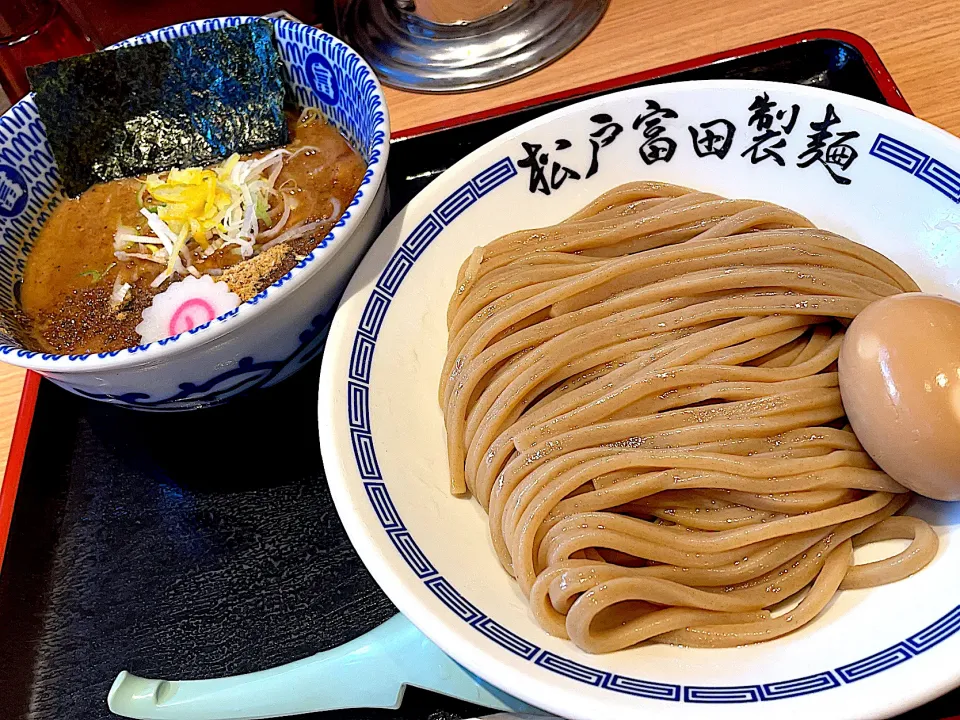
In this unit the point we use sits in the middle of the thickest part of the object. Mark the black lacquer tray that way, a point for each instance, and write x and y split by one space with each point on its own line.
145 542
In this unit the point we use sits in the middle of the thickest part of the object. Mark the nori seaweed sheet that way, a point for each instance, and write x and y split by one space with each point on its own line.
184 102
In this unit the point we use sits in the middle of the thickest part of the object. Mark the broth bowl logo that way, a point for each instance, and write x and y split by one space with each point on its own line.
322 79
13 192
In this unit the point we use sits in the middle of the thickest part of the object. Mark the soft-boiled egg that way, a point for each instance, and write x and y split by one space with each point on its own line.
900 384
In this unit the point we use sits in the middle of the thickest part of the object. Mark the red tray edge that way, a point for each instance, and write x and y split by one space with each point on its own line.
891 93
18 448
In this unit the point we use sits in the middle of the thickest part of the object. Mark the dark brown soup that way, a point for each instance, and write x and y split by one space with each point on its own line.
100 258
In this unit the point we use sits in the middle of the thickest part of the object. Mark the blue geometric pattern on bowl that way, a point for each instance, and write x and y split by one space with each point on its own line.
906 157
247 375
338 83
365 456
29 189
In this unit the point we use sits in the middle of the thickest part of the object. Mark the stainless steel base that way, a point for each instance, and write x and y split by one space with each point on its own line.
412 53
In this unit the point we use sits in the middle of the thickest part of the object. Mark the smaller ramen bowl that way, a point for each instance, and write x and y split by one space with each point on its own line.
267 338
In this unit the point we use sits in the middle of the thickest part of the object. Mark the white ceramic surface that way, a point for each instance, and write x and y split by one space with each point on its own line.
872 653
267 338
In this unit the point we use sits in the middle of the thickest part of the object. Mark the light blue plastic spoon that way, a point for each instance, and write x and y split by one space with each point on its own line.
371 671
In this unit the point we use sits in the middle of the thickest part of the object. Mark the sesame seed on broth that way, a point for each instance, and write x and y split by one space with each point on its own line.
69 292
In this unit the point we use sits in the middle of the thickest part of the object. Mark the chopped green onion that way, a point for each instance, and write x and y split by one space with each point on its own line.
95 275
260 208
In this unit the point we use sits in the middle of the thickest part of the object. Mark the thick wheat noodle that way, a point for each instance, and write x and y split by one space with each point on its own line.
491 414
587 514
516 278
920 551
812 247
763 572
600 391
767 247
644 398
569 370
650 384
746 402
719 436
702 423
596 388
564 587
815 242
571 236
590 335
552 363
761 247
610 489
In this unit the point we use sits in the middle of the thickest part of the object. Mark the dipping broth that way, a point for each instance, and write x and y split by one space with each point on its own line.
102 258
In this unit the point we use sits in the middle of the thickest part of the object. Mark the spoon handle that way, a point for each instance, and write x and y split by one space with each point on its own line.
371 671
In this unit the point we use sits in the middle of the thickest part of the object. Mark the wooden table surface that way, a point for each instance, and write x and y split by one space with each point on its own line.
918 40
